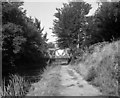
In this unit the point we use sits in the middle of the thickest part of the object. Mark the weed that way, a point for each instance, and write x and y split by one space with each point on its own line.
17 86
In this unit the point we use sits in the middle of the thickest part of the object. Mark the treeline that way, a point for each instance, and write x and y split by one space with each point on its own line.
23 43
75 29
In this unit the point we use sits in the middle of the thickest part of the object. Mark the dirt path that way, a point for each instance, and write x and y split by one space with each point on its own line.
63 81
75 85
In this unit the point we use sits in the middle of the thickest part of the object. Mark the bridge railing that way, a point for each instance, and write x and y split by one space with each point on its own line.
63 57
54 53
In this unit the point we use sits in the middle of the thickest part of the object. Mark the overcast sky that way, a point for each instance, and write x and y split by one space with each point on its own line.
44 11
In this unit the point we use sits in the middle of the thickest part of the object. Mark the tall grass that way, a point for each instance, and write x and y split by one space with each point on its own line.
100 66
48 83
17 86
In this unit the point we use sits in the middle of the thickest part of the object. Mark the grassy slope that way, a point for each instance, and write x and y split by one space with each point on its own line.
99 66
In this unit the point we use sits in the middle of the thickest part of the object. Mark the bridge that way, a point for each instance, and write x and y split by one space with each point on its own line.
59 55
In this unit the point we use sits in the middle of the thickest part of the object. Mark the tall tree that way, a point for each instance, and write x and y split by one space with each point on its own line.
106 23
108 20
12 38
23 43
69 23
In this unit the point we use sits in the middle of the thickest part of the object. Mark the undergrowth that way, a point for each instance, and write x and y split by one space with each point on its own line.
17 86
100 66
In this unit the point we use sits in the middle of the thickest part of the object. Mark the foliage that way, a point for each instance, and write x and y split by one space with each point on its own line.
72 26
17 86
104 25
69 23
23 43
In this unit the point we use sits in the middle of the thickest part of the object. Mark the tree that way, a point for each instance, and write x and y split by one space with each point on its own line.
69 23
108 20
23 44
106 23
11 33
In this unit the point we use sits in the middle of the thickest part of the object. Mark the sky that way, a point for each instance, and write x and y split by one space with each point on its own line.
44 11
